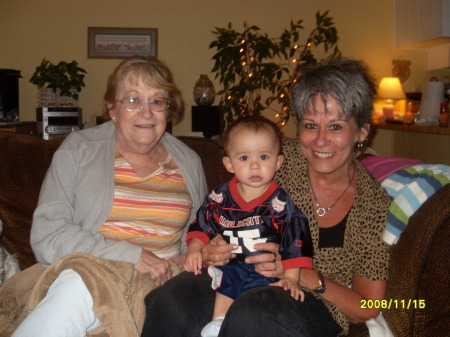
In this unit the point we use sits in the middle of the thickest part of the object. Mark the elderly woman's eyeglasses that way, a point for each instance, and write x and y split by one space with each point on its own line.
135 104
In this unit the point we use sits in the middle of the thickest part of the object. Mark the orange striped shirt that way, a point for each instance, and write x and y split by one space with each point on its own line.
150 212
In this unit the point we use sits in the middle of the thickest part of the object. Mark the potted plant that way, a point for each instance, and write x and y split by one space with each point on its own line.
64 79
250 65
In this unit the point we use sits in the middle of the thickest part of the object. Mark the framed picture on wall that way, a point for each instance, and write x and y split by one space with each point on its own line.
105 42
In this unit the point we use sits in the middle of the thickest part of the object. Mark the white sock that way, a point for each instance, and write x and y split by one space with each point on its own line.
212 328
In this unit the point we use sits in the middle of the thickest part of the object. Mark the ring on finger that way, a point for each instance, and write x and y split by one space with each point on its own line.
274 258
274 266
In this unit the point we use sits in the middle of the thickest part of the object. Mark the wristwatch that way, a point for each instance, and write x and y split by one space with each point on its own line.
321 288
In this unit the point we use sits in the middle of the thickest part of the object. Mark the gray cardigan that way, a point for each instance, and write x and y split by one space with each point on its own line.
77 196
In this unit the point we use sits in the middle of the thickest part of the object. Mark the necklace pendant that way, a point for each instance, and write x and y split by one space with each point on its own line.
321 211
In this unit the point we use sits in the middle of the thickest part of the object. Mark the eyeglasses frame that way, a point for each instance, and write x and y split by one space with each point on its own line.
144 102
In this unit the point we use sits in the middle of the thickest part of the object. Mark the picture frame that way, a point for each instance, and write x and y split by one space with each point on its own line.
110 42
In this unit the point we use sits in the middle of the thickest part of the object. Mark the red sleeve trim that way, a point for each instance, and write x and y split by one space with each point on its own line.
199 235
298 262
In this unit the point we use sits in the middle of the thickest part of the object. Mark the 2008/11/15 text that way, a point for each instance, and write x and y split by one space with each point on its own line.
393 304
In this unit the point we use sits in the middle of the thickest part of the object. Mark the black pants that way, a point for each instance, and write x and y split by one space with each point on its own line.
184 305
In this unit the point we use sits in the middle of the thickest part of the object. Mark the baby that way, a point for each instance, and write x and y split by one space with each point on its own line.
250 209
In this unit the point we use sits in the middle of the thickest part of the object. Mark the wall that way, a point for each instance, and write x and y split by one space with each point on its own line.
31 30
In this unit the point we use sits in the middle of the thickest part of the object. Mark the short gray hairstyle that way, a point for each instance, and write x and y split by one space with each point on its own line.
347 81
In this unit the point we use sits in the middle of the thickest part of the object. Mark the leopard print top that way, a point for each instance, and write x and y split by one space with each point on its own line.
364 252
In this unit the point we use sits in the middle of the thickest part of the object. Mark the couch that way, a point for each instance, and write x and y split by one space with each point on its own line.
418 282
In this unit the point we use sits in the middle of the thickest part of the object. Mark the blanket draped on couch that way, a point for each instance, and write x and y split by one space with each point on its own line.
118 291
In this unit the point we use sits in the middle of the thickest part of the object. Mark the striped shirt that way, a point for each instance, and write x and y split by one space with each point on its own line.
151 211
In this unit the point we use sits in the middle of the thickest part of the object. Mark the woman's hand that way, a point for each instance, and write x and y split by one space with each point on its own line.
178 260
268 264
158 268
218 252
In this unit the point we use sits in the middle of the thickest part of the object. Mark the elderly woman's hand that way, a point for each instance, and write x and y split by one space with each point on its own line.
218 252
268 264
178 260
158 268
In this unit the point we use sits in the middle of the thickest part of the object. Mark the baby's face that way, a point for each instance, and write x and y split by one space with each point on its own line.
253 157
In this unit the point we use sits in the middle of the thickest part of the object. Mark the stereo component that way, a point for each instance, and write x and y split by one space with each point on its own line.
53 122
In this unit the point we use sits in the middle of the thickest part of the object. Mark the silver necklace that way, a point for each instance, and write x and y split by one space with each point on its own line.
321 211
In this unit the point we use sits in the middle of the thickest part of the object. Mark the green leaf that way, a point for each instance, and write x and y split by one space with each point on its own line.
269 62
68 77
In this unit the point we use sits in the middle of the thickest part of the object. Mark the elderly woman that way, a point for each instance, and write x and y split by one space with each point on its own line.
346 210
122 191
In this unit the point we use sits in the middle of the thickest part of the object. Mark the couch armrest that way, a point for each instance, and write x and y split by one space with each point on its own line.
418 270
24 160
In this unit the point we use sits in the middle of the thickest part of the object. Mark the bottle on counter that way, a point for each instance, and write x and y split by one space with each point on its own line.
444 118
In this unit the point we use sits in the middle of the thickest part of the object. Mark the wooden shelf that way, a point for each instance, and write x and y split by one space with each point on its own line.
23 127
437 130
429 144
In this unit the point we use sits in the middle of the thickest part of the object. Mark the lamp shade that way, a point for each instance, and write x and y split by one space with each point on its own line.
391 88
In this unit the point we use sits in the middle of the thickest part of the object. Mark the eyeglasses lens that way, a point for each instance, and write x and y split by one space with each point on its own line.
135 104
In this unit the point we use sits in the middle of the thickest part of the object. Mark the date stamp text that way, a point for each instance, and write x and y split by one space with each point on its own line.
393 304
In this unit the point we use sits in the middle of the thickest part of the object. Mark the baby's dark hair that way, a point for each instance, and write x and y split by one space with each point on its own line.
254 123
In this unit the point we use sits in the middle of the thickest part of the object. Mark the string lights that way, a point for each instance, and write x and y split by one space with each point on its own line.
246 49
257 71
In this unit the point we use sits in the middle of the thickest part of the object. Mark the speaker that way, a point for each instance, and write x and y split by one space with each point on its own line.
9 94
207 119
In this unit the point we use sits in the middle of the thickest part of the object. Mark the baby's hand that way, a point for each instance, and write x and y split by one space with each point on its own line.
193 262
291 284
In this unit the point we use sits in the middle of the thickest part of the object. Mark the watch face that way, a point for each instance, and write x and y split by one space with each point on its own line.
319 290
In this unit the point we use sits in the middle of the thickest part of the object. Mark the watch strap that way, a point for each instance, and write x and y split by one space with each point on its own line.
321 288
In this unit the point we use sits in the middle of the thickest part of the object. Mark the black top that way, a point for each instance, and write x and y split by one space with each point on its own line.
333 236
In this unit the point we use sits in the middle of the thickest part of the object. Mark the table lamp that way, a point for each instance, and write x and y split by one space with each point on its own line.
390 89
